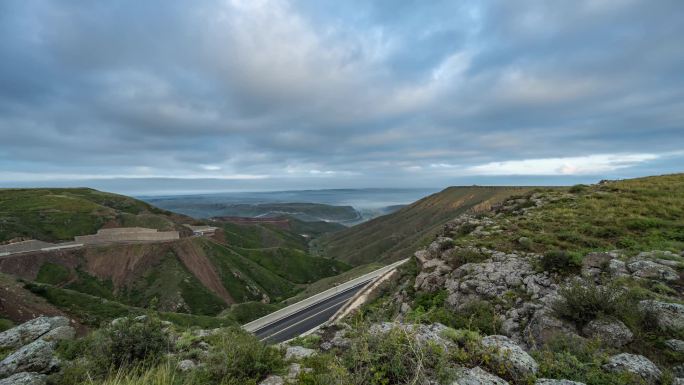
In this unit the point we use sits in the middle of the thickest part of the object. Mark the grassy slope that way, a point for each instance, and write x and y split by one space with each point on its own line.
60 214
397 235
294 265
633 215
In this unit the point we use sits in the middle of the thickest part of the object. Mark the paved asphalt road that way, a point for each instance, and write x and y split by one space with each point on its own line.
306 319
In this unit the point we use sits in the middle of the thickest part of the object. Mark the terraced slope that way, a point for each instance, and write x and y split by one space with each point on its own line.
397 235
60 214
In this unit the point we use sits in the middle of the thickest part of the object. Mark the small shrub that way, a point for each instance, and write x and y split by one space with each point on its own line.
396 358
460 256
582 302
311 341
129 342
237 357
559 261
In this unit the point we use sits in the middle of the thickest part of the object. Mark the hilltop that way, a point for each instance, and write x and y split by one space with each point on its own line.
59 214
391 237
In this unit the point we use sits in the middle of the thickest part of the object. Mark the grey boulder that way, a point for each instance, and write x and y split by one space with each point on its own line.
272 380
675 345
477 376
298 352
548 381
668 316
25 378
652 270
34 357
612 333
511 356
30 331
635 364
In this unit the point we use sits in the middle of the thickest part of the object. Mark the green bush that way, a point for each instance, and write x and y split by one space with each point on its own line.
396 358
583 301
460 256
129 343
558 261
237 357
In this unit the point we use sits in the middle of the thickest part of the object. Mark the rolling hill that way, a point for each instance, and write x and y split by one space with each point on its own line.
54 214
392 237
203 276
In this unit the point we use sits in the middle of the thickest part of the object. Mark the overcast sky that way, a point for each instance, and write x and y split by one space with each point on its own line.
136 96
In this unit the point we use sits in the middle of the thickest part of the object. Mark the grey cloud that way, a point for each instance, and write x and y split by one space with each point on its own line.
370 90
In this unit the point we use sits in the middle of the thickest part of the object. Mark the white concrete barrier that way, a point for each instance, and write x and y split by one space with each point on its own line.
314 299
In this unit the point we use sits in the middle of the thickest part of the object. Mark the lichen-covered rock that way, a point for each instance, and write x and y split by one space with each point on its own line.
652 270
186 365
30 331
422 333
59 334
548 381
668 316
25 378
617 268
34 357
298 352
612 333
675 345
594 264
340 340
273 380
477 376
511 356
678 370
635 364
544 327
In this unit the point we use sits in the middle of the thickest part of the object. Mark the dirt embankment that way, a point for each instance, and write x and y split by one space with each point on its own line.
123 264
196 261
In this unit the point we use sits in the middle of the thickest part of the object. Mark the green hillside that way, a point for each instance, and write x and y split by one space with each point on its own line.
633 215
397 235
60 214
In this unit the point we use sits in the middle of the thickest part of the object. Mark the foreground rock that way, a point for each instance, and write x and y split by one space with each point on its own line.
668 316
511 356
635 364
546 381
273 380
25 379
298 352
30 331
34 357
612 333
477 376
652 270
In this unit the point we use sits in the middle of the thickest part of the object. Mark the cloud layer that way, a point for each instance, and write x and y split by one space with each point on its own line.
366 93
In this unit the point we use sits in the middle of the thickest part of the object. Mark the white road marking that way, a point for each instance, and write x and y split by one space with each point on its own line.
305 319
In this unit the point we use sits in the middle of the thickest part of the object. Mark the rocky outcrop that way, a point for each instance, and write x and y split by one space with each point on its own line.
668 316
25 379
612 333
675 345
298 352
652 270
635 364
29 331
273 380
544 327
546 381
511 356
34 357
422 333
33 344
477 376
